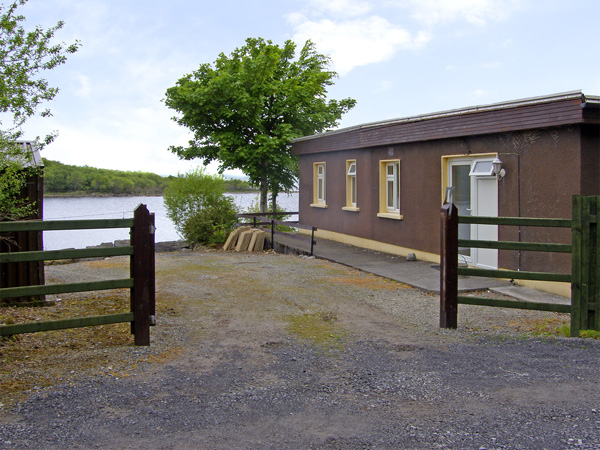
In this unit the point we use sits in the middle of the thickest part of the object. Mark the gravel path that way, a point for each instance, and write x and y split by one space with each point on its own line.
281 352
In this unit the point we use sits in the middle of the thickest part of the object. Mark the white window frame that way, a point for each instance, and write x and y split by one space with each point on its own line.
351 190
392 196
390 189
478 171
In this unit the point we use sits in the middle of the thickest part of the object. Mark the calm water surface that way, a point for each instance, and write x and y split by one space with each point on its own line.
121 208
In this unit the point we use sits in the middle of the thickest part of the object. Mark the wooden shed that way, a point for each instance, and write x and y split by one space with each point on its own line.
26 273
381 185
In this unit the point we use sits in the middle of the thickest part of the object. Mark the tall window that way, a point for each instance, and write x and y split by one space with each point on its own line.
319 185
389 189
392 183
351 183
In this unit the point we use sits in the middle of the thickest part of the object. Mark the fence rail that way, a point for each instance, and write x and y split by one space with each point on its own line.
141 280
584 276
272 224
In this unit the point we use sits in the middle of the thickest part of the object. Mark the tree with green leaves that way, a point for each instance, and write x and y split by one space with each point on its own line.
245 110
24 56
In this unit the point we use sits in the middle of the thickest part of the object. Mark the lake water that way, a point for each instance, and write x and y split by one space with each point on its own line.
122 208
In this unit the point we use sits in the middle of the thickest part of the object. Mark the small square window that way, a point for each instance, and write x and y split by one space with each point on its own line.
482 168
352 169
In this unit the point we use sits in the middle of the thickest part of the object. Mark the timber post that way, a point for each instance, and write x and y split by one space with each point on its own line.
449 266
272 234
152 282
142 272
585 267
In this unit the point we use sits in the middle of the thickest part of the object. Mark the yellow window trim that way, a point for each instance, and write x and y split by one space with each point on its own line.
389 215
349 206
316 201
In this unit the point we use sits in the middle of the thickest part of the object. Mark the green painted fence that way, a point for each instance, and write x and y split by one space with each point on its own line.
585 267
141 281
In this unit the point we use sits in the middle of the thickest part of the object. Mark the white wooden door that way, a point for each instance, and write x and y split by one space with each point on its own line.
485 203
475 194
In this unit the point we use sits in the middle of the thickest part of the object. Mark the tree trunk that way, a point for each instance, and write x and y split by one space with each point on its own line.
274 201
264 192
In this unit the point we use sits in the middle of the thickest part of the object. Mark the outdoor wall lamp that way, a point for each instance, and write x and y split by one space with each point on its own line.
497 168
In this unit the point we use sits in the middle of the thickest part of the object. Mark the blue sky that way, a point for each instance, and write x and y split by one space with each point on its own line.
397 58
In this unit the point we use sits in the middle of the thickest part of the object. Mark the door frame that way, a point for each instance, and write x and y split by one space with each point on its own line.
448 162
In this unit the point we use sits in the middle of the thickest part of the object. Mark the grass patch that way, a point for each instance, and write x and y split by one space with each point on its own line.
368 281
560 327
319 328
556 326
589 334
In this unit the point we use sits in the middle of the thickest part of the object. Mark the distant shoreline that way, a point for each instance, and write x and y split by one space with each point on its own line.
107 195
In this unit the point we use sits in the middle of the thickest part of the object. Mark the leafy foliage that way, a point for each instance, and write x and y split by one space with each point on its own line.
24 55
246 109
13 204
196 204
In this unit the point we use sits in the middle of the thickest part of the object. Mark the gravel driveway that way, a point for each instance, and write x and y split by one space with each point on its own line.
267 351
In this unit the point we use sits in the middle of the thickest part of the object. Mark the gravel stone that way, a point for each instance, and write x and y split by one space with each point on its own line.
226 370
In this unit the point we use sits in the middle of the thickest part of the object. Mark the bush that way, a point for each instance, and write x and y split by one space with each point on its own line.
212 224
196 204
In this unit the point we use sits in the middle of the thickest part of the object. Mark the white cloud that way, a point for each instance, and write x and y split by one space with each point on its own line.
384 85
348 8
358 42
482 66
84 87
475 12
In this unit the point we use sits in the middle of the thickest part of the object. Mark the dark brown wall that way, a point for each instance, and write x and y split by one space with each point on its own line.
590 164
32 272
547 160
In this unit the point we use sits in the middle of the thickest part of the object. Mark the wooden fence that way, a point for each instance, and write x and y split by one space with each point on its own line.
585 267
272 224
141 281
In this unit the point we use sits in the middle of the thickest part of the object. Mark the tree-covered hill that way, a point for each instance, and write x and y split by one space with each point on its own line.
68 180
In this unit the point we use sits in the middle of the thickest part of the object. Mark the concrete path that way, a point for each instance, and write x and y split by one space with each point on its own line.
420 274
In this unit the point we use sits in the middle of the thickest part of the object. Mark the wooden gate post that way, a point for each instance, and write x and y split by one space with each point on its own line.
272 234
142 272
449 267
585 266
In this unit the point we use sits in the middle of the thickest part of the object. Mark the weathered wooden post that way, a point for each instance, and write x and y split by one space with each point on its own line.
449 266
585 267
152 238
142 272
272 234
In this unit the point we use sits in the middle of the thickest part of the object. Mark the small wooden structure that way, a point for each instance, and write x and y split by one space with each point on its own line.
31 272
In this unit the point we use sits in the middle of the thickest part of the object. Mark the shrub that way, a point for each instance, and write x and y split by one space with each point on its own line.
196 204
212 224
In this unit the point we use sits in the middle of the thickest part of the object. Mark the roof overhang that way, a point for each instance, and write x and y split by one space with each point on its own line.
536 112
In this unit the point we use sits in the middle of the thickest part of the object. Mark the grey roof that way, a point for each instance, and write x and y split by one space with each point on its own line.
585 99
31 154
